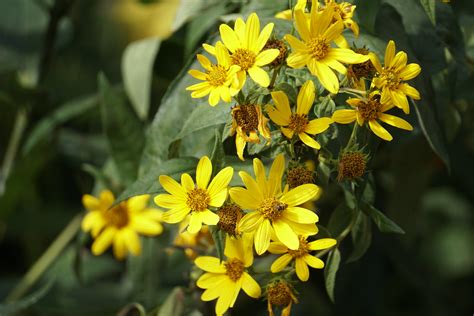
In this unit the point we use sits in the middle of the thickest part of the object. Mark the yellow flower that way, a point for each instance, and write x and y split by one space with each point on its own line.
223 280
315 50
273 212
390 77
288 14
220 80
189 242
245 42
301 256
370 111
120 224
344 12
298 123
189 198
247 120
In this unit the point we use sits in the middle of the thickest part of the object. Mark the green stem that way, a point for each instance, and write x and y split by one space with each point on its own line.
353 137
45 261
12 149
274 77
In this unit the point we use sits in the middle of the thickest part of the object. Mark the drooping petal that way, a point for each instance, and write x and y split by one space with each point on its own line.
280 263
103 241
262 237
250 286
325 75
395 121
379 130
302 270
309 141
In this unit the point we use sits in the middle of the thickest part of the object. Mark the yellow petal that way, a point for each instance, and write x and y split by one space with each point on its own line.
259 171
203 172
252 30
264 36
222 55
410 71
306 97
318 126
210 280
250 222
252 187
120 249
214 96
132 242
176 215
297 59
209 48
218 198
395 121
302 26
325 75
375 61
228 292
250 286
400 100
321 244
213 292
285 234
195 223
282 104
277 248
197 74
295 43
313 262
229 37
276 173
187 182
334 64
347 56
90 202
280 263
287 132
243 198
204 61
172 187
240 146
90 220
259 75
138 203
302 270
146 226
300 194
103 241
169 201
262 237
410 91
220 182
266 57
209 218
302 229
334 31
379 130
309 141
389 52
344 116
300 215
210 264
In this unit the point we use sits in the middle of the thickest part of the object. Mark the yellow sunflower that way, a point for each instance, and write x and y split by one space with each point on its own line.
315 50
273 212
224 279
195 199
220 80
369 111
245 42
247 121
301 256
120 224
390 78
297 123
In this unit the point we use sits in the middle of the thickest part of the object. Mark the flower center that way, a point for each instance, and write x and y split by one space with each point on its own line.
369 110
246 116
234 269
391 78
302 250
229 217
298 176
318 48
217 75
279 294
244 58
272 209
298 122
117 216
351 165
198 199
362 70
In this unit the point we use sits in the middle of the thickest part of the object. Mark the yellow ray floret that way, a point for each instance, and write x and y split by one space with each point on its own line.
314 50
371 110
297 123
223 280
271 211
300 256
390 78
121 224
193 199
219 80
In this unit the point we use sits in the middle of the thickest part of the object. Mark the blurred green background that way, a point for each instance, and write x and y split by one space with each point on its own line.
53 150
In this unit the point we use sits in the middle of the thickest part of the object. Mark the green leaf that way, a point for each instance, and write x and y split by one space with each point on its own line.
366 12
174 303
149 184
17 306
64 113
219 241
361 236
134 309
137 72
288 89
340 219
218 154
384 223
430 9
123 131
330 271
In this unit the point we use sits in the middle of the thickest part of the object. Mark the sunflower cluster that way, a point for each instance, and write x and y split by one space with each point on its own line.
271 212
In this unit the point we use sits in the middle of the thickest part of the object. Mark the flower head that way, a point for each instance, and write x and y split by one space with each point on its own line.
370 110
297 123
219 81
301 256
192 242
352 165
195 199
120 224
248 120
245 43
314 50
224 280
273 212
344 12
280 293
390 78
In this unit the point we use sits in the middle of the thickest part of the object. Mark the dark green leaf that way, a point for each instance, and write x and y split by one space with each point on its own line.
219 241
132 309
16 306
430 9
330 271
123 130
218 154
137 72
340 219
174 304
384 223
366 12
361 236
148 184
